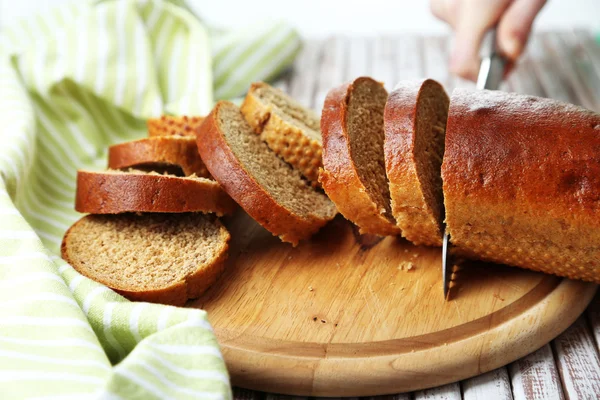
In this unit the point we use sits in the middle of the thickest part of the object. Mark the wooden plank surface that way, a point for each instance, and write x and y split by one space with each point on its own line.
536 377
494 385
563 66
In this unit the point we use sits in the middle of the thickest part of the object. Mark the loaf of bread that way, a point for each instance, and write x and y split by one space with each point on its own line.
158 258
289 129
521 181
167 153
114 192
415 123
267 188
353 174
169 125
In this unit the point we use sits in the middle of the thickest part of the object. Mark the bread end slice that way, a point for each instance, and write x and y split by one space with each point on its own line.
289 129
159 258
168 125
267 188
353 174
415 124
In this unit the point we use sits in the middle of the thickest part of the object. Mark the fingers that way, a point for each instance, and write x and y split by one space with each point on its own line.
515 25
473 19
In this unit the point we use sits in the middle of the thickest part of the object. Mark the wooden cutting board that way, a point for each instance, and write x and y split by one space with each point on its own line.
350 315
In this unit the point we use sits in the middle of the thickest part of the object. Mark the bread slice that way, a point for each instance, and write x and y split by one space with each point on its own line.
114 192
270 191
289 129
158 154
158 258
353 174
169 125
521 179
414 124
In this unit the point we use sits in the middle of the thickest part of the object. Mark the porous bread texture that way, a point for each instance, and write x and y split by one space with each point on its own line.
354 175
158 258
175 154
169 125
270 191
289 129
521 180
415 123
115 191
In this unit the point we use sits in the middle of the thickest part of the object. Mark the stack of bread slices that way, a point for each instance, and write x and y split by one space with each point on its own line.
515 178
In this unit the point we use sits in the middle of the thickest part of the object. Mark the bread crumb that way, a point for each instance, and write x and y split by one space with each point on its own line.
310 288
415 255
406 250
406 265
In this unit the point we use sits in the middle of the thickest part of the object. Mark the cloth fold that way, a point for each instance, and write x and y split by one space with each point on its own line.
74 81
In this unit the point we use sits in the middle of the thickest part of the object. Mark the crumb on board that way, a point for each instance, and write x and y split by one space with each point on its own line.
415 255
310 289
407 265
406 250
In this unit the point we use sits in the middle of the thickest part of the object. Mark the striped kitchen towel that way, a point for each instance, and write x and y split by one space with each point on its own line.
72 82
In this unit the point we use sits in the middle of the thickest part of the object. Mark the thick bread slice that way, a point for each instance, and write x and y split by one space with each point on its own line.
114 192
160 258
522 182
159 153
353 174
270 191
289 129
169 125
415 123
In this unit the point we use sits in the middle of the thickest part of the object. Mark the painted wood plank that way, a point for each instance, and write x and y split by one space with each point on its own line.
331 71
590 46
536 377
553 80
409 57
578 361
435 59
358 62
564 56
593 315
245 394
494 385
584 67
445 392
383 64
399 396
304 78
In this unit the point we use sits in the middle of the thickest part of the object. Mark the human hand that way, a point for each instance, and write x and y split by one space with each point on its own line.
471 19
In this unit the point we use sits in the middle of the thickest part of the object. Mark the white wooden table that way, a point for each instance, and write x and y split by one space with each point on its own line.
564 66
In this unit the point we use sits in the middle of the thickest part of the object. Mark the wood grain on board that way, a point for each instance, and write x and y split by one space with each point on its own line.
564 66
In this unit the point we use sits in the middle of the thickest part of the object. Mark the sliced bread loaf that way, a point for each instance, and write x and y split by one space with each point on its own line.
521 179
169 125
114 192
353 174
160 258
415 123
158 154
270 191
289 129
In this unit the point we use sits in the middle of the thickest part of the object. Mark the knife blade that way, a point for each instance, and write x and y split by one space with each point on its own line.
491 72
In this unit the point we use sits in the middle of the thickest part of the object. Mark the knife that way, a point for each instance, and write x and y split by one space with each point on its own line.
491 72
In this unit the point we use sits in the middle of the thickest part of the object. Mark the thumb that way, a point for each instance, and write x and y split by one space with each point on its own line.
515 25
473 21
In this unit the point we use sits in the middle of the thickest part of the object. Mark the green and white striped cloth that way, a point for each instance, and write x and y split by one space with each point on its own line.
72 82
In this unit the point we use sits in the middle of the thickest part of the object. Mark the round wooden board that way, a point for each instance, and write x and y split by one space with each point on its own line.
342 315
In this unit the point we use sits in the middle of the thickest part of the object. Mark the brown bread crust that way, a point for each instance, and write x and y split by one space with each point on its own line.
158 151
112 193
168 125
176 294
418 221
522 182
285 139
339 177
227 169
